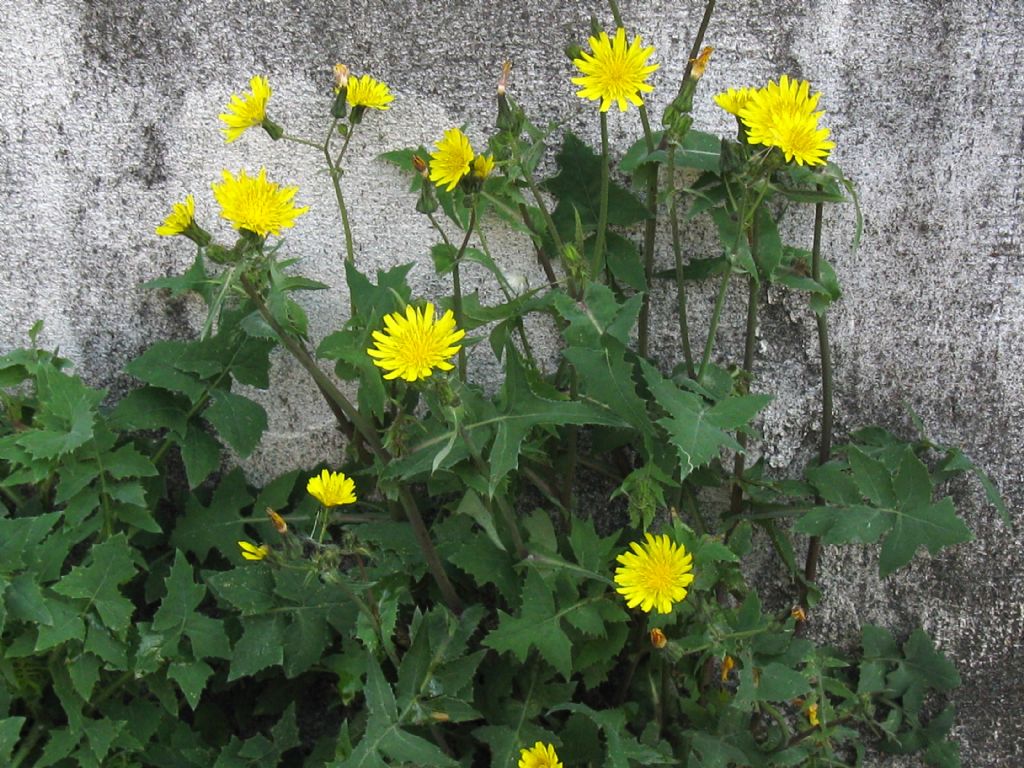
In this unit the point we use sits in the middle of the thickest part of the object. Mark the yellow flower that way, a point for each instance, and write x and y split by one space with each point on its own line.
332 489
413 345
255 204
540 755
614 72
482 166
812 715
247 110
734 100
654 575
782 115
181 217
451 160
252 552
368 93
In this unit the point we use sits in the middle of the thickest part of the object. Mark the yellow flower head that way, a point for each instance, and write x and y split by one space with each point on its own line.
782 115
368 93
332 489
482 166
540 755
655 574
252 552
247 110
734 100
181 217
450 162
255 204
413 345
615 71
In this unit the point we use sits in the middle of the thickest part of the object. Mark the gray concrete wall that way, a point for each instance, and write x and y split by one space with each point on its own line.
108 113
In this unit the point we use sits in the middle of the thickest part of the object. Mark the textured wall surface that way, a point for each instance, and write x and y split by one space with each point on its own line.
108 114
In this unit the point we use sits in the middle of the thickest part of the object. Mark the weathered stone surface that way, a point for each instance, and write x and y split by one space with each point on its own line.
108 114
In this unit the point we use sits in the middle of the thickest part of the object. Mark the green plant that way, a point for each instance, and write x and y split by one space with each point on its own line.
446 599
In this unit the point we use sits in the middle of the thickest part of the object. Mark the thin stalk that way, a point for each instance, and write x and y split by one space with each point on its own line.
300 140
698 40
716 316
677 251
506 290
650 231
371 615
602 215
739 463
369 434
572 450
825 445
545 214
457 288
335 172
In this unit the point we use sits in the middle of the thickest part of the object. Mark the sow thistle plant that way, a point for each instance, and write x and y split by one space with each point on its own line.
543 571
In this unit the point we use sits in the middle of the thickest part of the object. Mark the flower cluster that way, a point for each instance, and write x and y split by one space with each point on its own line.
781 115
453 159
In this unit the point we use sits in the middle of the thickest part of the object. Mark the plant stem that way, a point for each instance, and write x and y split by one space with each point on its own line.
677 251
716 316
549 223
602 215
572 450
366 429
739 463
457 288
825 445
650 230
698 40
335 172
507 513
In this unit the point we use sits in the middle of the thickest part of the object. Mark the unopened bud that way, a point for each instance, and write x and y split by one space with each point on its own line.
340 77
441 717
419 165
506 70
279 524
728 663
798 613
698 65
573 51
658 639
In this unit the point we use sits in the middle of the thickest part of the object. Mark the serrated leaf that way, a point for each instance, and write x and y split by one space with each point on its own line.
774 682
85 672
150 408
538 625
10 728
127 462
191 677
67 625
200 453
157 366
219 525
260 646
110 564
239 421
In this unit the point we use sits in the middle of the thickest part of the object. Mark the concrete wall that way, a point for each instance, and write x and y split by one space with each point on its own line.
108 113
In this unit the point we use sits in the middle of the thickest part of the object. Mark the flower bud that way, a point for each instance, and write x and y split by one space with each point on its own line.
419 165
506 70
798 613
340 105
573 51
728 663
698 65
658 639
279 524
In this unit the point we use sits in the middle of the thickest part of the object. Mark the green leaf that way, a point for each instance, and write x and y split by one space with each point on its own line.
872 478
918 522
260 646
127 462
85 673
698 432
238 420
768 245
776 682
150 408
217 526
22 535
624 261
178 614
110 564
67 625
10 728
577 187
200 453
538 625
26 602
158 366
191 677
